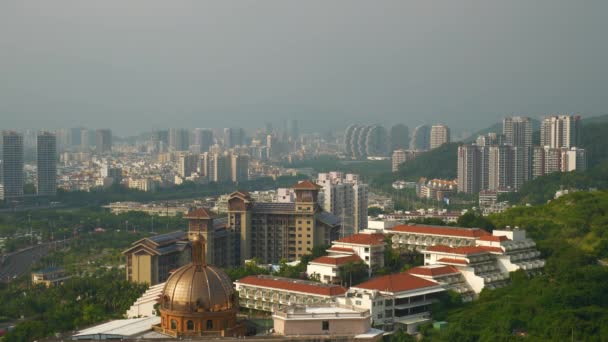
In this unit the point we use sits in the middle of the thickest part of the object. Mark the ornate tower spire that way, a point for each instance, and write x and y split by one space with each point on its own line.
199 255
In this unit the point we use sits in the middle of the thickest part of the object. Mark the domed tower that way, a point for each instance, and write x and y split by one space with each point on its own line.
198 299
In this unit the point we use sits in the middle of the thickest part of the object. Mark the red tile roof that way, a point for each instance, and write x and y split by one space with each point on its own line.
494 238
440 230
306 185
433 271
294 285
466 250
363 239
341 249
453 261
338 261
398 282
199 213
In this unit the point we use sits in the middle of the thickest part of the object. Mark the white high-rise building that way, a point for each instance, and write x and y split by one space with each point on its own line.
440 134
559 131
347 197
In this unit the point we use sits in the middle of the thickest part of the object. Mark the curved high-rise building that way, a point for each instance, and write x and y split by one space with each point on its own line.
363 141
400 137
376 142
348 139
421 139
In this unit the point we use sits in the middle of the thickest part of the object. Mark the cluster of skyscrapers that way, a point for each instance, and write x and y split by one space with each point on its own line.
503 162
13 163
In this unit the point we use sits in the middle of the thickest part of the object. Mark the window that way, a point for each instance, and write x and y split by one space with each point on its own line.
379 316
357 302
190 325
173 324
388 313
308 242
367 249
308 221
325 325
366 258
209 324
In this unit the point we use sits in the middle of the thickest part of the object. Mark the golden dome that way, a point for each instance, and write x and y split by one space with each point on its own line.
198 287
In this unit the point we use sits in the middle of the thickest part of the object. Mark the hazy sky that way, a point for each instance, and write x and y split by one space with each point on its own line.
137 65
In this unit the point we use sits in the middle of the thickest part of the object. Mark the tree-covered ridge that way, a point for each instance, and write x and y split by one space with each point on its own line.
567 302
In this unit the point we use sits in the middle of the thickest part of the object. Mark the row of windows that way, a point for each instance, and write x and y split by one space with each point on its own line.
190 325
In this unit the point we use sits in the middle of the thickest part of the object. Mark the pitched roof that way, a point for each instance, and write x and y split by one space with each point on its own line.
433 270
288 284
199 213
341 249
465 250
398 282
306 185
337 260
363 239
441 230
494 238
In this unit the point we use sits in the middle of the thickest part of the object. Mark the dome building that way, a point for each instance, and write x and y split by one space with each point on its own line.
198 299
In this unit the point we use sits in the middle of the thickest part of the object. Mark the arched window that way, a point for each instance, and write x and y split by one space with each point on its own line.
190 325
173 324
209 324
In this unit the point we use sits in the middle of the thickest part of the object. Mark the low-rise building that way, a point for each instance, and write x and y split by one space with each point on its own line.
395 300
338 321
437 189
369 247
270 293
330 269
50 276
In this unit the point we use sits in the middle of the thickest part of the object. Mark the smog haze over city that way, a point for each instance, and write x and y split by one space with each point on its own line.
380 171
134 66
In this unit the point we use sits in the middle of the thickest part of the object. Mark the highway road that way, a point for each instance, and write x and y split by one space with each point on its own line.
19 263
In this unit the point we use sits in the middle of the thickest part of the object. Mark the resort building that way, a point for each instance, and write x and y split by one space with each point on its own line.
150 259
270 293
487 264
448 276
413 237
395 300
275 231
